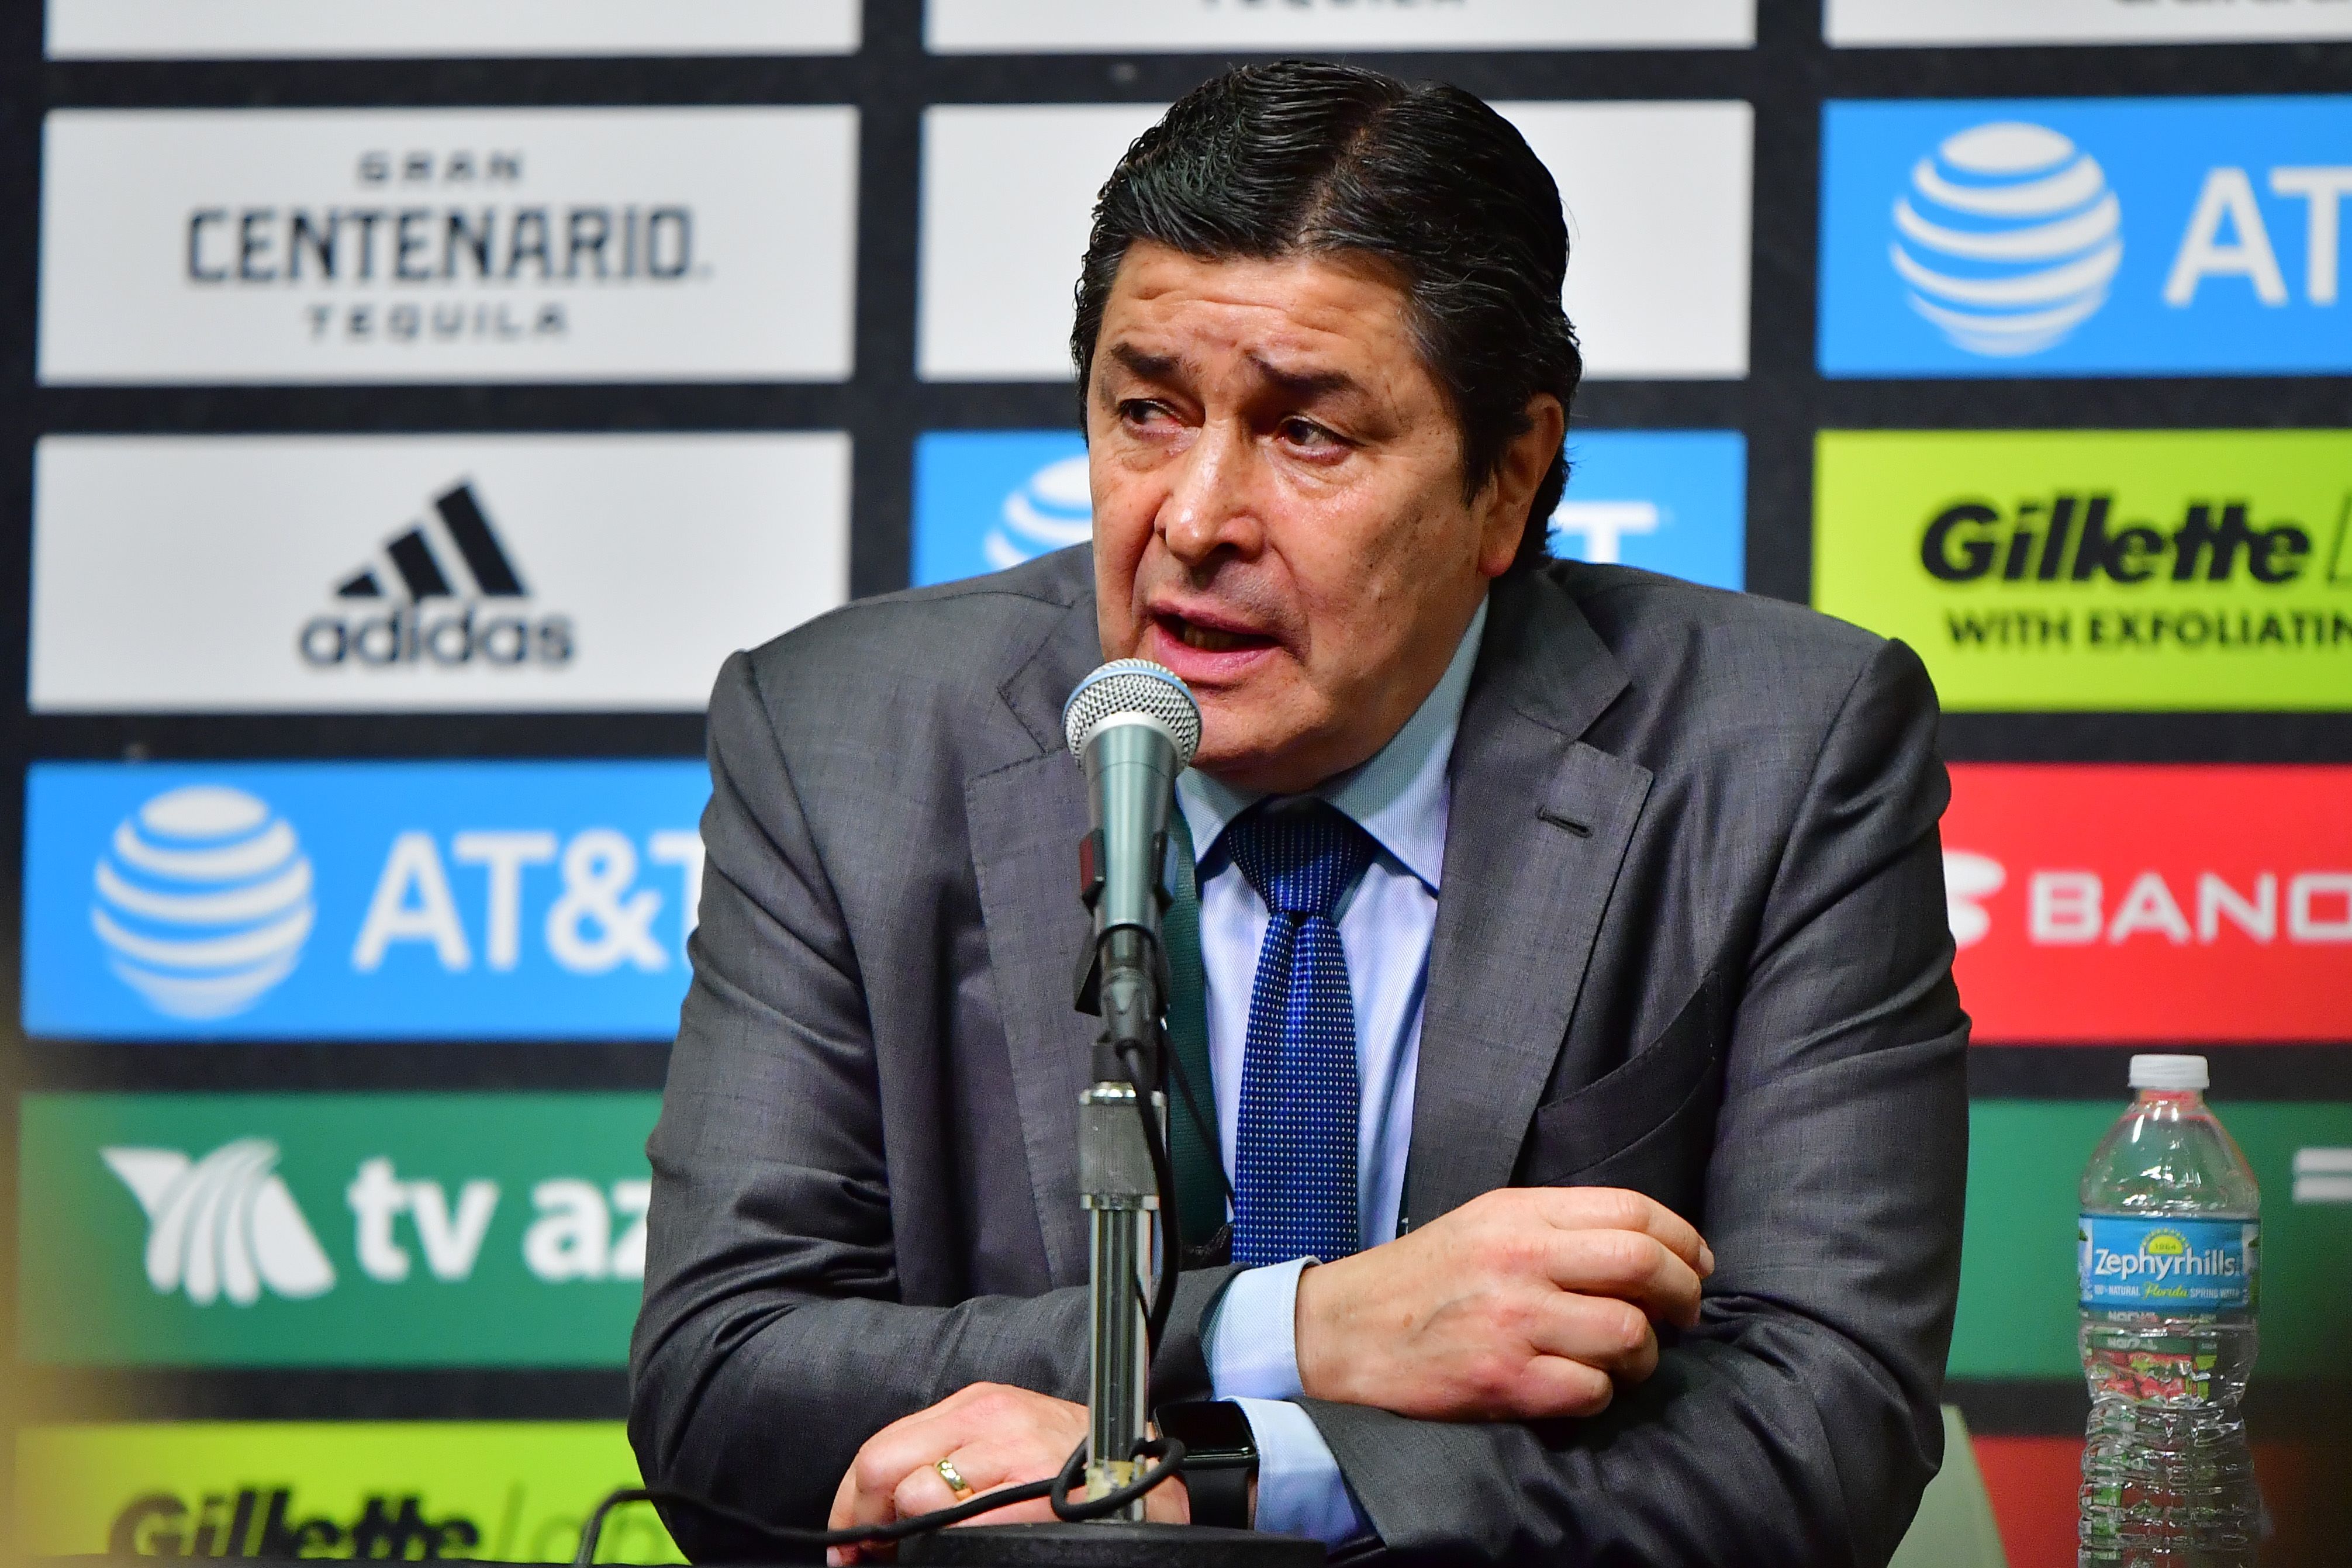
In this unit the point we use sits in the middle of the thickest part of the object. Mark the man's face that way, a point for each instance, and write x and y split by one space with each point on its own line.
1278 508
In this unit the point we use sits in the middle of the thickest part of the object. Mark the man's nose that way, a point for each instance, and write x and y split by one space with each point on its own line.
1211 505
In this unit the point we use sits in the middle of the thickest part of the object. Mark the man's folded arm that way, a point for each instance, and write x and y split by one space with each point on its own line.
1798 1422
772 1341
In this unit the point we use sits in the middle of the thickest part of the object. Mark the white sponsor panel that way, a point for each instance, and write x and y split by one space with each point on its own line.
1008 199
1862 22
297 574
1657 196
427 29
1078 27
543 244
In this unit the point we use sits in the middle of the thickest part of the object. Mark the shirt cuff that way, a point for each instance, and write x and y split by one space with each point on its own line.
1253 1336
1300 1488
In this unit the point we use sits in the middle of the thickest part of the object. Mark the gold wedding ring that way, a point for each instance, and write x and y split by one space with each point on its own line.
954 1479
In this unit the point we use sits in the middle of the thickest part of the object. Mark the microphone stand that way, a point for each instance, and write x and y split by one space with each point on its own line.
1122 978
1119 1190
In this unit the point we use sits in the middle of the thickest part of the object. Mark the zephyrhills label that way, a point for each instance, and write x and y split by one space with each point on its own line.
2169 1264
538 245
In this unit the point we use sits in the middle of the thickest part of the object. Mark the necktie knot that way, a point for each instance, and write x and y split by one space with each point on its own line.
1300 858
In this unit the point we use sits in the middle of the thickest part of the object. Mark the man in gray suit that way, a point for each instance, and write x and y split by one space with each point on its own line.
1549 915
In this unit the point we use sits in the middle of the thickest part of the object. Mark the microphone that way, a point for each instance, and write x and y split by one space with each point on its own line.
1133 727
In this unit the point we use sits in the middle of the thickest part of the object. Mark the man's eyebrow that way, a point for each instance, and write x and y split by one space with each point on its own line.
1149 367
1305 386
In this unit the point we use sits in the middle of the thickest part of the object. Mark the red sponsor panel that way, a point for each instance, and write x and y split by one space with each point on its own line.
2112 903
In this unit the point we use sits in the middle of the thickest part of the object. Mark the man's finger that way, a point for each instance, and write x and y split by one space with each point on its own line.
1606 1334
1620 1209
1553 1387
1632 1266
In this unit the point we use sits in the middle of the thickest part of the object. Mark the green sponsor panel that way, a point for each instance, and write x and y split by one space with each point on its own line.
2158 569
507 1490
331 1230
2017 1271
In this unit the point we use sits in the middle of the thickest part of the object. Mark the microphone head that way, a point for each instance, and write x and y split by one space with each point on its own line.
1133 685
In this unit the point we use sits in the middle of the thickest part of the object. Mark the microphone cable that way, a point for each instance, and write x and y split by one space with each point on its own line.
1168 1451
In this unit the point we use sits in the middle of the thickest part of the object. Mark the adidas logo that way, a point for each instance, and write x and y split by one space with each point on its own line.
223 1225
452 559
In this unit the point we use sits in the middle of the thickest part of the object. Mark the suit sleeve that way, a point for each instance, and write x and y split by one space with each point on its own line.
1798 1422
772 1342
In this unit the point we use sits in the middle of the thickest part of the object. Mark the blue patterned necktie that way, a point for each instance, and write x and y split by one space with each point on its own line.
1294 1158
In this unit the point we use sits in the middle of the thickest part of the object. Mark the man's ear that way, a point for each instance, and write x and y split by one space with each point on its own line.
1503 504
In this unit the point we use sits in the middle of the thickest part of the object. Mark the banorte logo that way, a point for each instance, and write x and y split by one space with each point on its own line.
203 901
2009 238
222 1226
1969 879
1052 510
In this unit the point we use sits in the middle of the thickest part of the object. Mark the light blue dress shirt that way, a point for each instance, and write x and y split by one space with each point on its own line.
1400 797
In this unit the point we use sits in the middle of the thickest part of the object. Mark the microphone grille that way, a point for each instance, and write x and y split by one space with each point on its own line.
1134 686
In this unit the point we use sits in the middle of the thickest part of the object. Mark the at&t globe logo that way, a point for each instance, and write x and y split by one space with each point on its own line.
1052 510
203 901
2009 238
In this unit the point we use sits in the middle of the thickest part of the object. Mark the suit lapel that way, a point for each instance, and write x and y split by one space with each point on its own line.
1537 825
1025 820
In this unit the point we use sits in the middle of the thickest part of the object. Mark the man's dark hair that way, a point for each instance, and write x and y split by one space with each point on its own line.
1303 158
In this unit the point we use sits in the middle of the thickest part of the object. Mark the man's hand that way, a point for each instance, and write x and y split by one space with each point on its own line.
1523 1303
994 1436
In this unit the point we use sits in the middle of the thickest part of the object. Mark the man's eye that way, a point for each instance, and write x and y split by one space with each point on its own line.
1303 432
1141 411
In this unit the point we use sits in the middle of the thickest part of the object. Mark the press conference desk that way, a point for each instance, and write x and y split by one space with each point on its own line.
1955 1527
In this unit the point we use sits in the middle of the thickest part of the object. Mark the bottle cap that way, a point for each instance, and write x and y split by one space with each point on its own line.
2168 1072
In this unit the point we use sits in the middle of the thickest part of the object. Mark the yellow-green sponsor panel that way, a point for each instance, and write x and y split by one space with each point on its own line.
2142 570
502 1491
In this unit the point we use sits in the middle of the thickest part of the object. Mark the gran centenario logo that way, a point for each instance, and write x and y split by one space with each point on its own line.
222 1226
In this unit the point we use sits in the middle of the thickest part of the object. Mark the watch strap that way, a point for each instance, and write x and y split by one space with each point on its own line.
1220 1496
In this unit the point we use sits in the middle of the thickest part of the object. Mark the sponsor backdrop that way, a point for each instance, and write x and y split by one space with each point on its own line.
408 406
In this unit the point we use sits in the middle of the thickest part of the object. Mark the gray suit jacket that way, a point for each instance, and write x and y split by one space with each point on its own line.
1691 941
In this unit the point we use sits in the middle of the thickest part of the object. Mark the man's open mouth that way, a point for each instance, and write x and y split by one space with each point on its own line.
1212 639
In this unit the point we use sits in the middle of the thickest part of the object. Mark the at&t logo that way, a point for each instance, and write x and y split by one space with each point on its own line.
2008 238
203 901
1052 510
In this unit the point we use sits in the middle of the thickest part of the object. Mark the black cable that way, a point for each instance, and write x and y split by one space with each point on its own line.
797 1535
1163 1176
1167 1450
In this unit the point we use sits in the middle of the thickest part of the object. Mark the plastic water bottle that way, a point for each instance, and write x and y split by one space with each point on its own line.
2170 1246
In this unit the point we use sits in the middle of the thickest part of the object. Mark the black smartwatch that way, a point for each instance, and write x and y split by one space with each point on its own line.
1220 1457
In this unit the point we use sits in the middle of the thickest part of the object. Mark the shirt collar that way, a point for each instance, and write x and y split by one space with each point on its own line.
1398 796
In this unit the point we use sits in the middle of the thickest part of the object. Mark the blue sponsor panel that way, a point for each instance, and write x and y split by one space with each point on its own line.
987 499
2074 237
1666 501
360 901
1671 500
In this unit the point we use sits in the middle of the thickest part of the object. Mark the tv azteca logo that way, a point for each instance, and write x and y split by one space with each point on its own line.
225 1227
456 602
